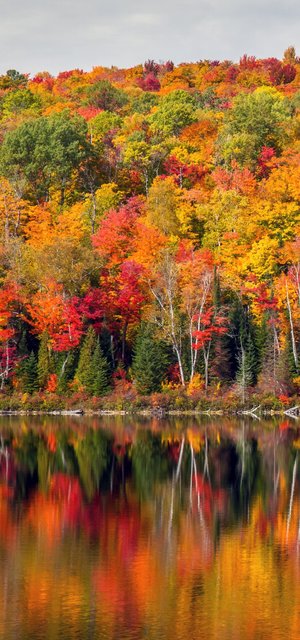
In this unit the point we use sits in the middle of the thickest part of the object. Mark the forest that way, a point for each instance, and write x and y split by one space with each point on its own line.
150 236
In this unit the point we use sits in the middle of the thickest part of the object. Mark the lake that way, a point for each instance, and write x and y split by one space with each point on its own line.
132 528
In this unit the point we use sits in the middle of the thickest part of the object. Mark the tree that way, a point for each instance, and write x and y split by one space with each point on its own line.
244 376
175 111
256 120
53 313
47 153
104 95
162 204
149 361
8 303
85 373
164 287
100 368
30 374
44 362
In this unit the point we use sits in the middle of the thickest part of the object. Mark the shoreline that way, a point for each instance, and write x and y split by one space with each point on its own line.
154 413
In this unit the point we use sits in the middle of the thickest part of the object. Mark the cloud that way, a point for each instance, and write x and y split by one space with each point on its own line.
64 34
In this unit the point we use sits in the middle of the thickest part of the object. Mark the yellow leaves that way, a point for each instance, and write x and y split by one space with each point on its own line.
263 257
195 439
70 223
280 218
195 385
13 211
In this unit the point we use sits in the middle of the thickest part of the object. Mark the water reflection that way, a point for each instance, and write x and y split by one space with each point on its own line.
153 529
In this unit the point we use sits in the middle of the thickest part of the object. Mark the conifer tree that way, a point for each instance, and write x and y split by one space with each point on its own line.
149 361
65 368
244 376
44 363
100 372
85 373
30 374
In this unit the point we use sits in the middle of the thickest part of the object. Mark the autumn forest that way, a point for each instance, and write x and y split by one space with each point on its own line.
150 235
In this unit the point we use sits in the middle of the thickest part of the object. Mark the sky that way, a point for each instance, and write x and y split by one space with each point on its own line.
58 35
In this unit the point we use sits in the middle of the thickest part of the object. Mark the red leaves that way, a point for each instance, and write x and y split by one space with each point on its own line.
53 313
8 300
116 236
264 161
149 83
192 172
212 324
122 296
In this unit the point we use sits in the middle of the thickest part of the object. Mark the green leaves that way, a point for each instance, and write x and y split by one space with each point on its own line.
45 153
257 119
175 111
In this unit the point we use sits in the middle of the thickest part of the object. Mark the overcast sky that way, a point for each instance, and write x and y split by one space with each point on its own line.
37 35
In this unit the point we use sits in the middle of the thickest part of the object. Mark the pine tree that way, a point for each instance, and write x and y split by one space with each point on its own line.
44 363
85 372
244 376
30 374
65 367
100 372
149 361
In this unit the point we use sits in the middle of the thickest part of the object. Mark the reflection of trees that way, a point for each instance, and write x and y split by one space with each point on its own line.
149 461
116 564
93 456
249 471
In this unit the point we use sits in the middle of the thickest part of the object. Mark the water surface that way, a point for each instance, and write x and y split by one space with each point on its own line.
149 529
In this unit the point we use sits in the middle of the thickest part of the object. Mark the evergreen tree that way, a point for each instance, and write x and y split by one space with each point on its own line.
65 365
100 372
30 374
149 361
244 376
85 374
44 363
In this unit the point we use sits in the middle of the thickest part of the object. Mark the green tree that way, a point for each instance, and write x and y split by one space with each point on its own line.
175 111
256 119
100 372
150 361
104 95
46 153
144 102
102 124
92 370
16 102
44 362
30 374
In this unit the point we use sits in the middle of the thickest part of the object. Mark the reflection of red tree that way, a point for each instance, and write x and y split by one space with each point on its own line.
209 500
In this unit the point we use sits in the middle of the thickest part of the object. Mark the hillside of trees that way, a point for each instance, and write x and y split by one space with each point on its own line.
150 233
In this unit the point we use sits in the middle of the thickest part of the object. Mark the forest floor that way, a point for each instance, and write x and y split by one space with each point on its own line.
159 404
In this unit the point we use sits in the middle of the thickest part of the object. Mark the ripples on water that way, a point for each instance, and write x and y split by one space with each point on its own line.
100 539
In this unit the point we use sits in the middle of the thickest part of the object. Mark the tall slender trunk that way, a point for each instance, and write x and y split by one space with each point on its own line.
294 348
124 333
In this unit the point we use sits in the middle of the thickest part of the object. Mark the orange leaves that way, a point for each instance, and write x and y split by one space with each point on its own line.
240 180
52 313
149 243
45 225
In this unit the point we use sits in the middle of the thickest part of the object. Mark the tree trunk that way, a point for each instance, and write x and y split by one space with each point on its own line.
294 348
